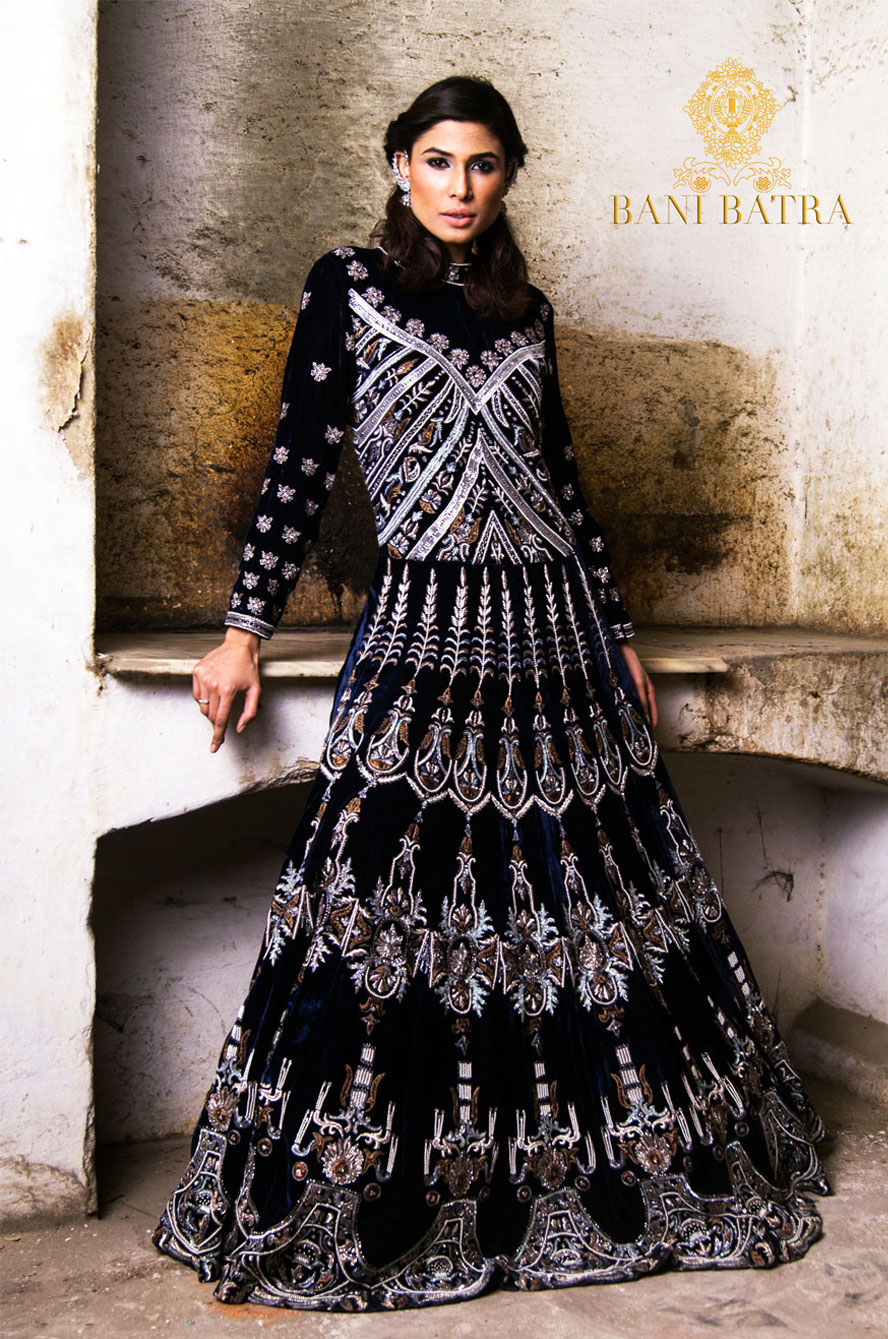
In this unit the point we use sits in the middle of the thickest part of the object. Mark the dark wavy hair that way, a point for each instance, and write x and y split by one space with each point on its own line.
496 284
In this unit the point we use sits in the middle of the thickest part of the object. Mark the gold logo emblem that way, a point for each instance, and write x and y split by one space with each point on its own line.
731 111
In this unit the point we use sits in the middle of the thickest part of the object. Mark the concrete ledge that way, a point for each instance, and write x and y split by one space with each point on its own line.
843 1047
318 653
787 693
293 653
808 697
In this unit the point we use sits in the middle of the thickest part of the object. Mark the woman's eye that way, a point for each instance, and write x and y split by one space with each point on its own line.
437 162
484 165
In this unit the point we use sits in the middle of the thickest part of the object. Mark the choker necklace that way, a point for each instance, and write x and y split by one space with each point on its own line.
457 271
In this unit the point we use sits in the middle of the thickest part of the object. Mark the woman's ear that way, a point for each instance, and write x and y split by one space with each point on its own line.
511 173
402 164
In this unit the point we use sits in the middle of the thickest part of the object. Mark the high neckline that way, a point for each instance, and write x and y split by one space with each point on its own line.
457 271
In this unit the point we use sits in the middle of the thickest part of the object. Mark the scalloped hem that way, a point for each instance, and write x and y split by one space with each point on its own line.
314 1260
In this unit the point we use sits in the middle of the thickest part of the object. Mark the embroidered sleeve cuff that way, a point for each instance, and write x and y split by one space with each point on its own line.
249 624
622 631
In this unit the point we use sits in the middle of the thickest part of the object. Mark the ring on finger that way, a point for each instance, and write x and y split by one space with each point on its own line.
203 701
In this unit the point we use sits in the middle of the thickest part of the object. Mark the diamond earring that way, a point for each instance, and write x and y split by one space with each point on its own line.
402 182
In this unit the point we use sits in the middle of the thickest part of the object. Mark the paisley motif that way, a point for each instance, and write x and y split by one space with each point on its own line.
501 1031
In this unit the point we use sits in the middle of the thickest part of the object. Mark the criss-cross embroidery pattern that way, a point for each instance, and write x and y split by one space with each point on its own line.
449 457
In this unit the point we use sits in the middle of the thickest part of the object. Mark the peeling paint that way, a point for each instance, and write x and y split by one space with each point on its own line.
64 354
67 385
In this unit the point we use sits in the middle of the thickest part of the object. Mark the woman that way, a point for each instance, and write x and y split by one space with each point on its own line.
501 1030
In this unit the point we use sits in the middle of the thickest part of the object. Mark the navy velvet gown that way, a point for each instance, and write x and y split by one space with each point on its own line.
501 1030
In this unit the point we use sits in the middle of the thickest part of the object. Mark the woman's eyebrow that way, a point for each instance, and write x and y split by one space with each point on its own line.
448 153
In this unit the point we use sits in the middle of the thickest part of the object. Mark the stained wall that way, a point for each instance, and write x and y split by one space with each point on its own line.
51 697
236 144
843 390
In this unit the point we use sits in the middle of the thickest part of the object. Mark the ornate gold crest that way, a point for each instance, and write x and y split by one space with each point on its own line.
731 110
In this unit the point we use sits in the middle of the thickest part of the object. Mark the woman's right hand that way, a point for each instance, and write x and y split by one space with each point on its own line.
216 681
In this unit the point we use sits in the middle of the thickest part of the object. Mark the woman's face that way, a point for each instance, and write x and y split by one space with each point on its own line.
457 173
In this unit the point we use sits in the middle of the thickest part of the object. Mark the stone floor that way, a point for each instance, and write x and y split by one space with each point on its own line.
102 1276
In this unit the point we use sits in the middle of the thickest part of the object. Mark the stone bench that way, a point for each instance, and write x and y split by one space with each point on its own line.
804 696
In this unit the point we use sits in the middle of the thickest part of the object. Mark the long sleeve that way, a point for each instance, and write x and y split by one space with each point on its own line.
314 413
558 452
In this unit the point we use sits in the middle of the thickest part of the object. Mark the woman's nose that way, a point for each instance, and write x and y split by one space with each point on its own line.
461 186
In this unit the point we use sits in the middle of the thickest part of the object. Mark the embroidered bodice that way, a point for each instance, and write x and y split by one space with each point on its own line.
457 423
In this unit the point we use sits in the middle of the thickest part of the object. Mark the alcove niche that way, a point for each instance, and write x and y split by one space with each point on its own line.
181 903
179 911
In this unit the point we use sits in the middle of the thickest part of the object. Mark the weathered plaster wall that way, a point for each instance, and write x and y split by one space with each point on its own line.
843 389
854 928
174 958
800 853
50 695
195 389
238 143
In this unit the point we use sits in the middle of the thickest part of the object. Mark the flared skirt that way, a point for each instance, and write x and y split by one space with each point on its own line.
501 1029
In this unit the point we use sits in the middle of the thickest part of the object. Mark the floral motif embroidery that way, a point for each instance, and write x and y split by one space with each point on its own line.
320 371
489 854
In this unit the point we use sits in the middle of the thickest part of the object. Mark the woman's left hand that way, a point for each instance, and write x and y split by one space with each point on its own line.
643 685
